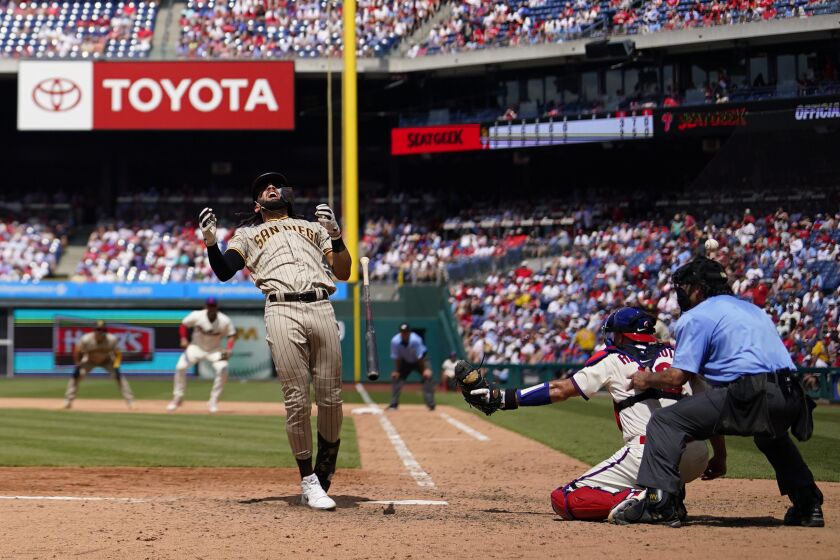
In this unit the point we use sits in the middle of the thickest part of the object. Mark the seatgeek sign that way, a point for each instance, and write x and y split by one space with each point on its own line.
155 95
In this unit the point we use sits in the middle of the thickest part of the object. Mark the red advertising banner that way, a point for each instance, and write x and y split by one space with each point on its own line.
193 95
156 95
137 344
432 139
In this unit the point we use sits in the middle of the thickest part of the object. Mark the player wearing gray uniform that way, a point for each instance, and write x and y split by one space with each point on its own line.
292 261
97 349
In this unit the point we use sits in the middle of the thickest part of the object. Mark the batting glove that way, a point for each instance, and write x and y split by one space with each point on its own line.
207 223
326 217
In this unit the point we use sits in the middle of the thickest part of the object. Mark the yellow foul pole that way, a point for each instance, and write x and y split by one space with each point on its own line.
350 171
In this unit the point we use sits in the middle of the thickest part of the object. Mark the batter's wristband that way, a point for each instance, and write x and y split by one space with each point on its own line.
338 245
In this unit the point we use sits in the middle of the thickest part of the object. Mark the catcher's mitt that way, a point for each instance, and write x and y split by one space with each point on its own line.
477 391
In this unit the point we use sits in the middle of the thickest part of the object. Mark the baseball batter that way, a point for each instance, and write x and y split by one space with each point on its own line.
631 345
209 327
293 262
97 349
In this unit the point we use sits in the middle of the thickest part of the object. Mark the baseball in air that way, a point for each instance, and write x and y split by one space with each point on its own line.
712 245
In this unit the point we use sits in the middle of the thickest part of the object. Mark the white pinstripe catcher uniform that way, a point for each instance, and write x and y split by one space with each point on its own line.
205 344
288 255
619 471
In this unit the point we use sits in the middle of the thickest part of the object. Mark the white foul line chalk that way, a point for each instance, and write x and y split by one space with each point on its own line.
408 502
73 499
420 476
464 428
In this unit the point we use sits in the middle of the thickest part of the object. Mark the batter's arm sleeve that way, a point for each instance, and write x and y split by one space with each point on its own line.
224 266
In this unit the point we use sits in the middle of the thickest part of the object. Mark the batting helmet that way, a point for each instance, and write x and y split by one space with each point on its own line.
272 178
632 322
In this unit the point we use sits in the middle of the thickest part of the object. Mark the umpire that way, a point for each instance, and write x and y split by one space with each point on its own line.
409 354
734 346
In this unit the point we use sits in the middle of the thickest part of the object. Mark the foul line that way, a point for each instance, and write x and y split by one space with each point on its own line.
74 499
420 476
408 502
464 428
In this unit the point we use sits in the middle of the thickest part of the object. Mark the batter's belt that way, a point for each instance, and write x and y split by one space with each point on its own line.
309 296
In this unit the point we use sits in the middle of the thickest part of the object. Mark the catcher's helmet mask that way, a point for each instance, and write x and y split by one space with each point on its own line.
632 322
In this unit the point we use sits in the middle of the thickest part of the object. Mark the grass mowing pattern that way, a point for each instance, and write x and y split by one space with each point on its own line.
69 438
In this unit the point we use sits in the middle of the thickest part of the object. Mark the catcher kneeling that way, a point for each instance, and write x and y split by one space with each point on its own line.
611 484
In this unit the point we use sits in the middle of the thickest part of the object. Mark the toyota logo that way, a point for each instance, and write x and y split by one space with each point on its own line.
56 94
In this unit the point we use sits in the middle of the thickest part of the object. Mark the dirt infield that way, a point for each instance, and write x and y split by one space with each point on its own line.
496 491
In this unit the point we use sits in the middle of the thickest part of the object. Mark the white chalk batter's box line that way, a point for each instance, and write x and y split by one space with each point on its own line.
420 476
464 428
76 499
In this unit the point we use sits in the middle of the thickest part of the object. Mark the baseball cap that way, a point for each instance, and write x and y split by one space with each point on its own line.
404 327
100 325
211 302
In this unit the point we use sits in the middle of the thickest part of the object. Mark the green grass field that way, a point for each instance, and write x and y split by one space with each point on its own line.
62 438
584 430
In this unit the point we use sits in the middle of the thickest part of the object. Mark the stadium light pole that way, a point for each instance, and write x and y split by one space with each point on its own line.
350 171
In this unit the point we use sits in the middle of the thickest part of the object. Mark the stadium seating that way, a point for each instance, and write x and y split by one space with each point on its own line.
787 264
159 253
29 249
76 29
477 25
303 29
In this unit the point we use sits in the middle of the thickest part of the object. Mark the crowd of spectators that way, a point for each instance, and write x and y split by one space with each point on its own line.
51 29
474 25
29 249
163 252
787 264
303 28
413 253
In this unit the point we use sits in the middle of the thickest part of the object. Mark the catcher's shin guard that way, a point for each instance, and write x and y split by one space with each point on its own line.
325 461
585 503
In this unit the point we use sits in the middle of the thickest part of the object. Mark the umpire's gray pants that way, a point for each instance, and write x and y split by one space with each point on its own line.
696 417
398 383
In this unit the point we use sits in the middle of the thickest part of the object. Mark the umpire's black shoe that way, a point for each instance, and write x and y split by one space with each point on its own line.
657 508
806 510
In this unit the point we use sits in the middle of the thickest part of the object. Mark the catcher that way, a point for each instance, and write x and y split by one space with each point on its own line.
97 349
630 346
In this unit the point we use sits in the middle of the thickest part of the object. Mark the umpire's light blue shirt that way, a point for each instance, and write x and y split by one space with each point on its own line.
724 338
411 352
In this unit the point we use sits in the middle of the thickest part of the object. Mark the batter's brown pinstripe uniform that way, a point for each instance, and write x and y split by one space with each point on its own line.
288 255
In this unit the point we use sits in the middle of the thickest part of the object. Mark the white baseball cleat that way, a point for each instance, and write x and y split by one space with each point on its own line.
212 407
68 404
313 495
130 404
173 406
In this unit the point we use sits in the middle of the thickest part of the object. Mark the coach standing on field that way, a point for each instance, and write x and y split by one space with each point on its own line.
754 392
409 354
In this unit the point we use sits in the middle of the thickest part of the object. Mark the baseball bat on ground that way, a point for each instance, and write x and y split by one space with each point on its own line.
372 361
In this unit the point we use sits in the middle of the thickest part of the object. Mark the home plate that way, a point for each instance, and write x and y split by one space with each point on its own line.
408 502
366 410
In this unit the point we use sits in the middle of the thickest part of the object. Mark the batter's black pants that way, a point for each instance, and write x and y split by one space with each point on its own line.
697 417
406 368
